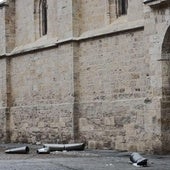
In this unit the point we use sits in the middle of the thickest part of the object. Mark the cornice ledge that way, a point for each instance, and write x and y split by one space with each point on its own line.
50 43
157 3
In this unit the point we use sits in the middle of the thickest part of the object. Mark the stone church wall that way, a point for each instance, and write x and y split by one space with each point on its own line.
113 87
95 77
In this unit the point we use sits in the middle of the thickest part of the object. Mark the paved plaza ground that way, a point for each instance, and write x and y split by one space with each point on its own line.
76 160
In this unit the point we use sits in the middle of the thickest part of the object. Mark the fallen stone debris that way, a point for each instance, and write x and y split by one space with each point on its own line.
43 151
138 160
20 150
47 148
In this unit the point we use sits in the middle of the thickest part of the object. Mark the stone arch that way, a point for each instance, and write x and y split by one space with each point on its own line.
166 65
165 104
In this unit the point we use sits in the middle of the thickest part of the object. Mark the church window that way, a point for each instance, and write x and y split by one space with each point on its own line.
122 6
40 18
43 6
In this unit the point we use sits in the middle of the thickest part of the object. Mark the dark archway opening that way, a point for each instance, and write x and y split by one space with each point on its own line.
165 104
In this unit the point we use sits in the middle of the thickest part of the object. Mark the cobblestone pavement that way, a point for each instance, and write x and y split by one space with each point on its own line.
80 160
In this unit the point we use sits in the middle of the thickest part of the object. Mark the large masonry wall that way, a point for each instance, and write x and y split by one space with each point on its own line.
42 96
96 77
113 88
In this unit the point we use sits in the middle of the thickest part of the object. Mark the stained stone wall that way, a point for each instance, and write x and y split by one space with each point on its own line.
24 31
92 18
10 19
3 100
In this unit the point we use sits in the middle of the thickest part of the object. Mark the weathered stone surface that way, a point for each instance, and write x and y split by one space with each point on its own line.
2 28
96 76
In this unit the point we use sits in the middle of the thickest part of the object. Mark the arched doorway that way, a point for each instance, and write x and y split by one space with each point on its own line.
165 104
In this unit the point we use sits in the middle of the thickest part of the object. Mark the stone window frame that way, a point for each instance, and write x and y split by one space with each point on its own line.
40 18
115 9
